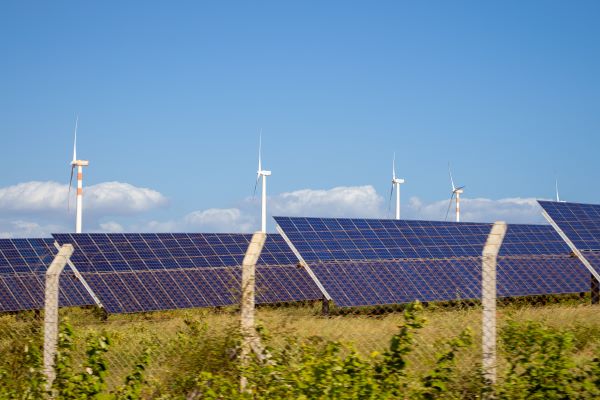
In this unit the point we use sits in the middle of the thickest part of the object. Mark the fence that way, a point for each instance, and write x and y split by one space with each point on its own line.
194 351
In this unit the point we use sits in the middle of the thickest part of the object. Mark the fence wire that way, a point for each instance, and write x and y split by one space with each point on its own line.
176 346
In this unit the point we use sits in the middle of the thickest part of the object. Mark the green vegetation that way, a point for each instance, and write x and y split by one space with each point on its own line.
546 352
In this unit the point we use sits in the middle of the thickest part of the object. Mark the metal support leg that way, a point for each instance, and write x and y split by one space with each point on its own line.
595 290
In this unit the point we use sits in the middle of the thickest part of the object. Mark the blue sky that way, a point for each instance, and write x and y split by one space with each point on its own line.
170 98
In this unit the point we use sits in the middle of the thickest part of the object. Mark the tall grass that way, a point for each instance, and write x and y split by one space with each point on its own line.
184 342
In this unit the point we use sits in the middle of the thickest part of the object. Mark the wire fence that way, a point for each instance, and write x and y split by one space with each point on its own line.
469 297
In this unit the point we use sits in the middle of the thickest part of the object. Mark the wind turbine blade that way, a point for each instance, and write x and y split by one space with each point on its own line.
394 167
449 205
557 196
69 193
390 200
451 180
255 185
75 140
259 151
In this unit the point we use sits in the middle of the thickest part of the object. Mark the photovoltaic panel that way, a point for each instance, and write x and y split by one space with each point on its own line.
378 282
369 262
579 222
149 271
23 264
540 275
321 239
580 225
117 252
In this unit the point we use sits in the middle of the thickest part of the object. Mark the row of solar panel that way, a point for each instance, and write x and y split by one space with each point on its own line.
356 261
315 239
363 283
146 272
370 262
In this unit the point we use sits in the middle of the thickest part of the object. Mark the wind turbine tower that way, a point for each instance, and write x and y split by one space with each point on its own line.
261 173
396 182
79 164
456 192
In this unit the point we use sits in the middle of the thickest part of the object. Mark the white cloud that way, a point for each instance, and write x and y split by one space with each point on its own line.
116 198
111 227
220 220
224 220
342 201
108 198
158 226
357 201
33 196
513 210
38 208
27 229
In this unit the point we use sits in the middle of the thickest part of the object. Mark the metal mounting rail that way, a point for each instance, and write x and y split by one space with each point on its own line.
574 249
81 279
303 263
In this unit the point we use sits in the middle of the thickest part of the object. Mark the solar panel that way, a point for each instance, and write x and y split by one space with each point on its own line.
23 264
150 271
540 275
377 282
321 239
579 222
579 226
368 262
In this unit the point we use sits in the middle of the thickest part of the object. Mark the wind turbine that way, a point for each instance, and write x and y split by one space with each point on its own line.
79 164
456 192
262 173
395 182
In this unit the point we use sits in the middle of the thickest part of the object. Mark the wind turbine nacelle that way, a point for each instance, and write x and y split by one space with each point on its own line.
81 163
265 173
398 180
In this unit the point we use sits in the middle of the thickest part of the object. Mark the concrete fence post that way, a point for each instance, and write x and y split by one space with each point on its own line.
488 299
250 340
51 310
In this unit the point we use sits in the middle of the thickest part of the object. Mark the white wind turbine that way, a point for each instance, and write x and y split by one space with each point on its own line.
396 182
79 164
262 173
556 187
456 192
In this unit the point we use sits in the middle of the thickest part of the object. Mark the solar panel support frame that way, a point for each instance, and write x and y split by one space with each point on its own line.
303 263
571 245
81 279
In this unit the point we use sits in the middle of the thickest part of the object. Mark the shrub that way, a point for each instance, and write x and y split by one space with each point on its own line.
541 365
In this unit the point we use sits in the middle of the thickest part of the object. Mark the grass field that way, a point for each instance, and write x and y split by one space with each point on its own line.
187 341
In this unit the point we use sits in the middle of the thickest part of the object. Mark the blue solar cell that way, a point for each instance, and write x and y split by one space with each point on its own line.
374 239
541 275
199 270
368 262
593 257
23 263
360 283
579 222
